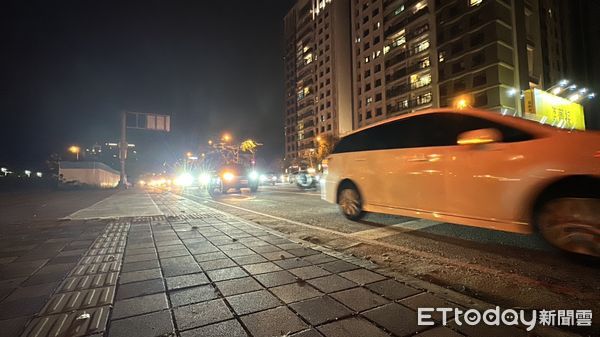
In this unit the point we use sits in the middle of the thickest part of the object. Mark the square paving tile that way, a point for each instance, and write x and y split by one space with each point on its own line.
231 328
22 307
226 274
217 264
319 258
266 249
249 259
302 251
173 253
331 283
320 310
179 266
273 322
40 290
352 327
262 268
292 263
295 292
140 257
253 302
136 289
359 299
150 325
140 265
184 281
392 289
309 272
12 327
395 318
362 276
140 275
276 279
277 255
139 305
192 295
210 256
338 266
196 315
238 252
238 286
138 251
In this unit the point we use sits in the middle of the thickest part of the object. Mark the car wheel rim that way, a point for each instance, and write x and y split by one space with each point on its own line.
350 202
572 224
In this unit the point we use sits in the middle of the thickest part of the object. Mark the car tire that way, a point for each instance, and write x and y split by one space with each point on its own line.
571 224
350 203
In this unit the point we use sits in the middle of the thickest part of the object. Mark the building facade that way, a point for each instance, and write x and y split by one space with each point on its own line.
408 55
318 76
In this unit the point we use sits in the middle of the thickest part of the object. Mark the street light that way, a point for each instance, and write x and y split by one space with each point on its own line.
75 149
28 173
226 137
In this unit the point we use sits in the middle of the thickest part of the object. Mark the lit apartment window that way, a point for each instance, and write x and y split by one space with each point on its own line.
442 56
475 2
422 46
369 100
367 59
422 4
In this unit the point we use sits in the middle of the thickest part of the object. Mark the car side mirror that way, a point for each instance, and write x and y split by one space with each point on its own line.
479 136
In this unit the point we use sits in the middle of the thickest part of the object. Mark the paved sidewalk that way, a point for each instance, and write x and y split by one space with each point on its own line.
200 272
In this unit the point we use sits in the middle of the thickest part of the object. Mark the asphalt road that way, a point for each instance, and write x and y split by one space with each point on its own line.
502 268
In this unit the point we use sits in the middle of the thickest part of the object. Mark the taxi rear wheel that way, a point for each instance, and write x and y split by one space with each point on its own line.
571 224
350 203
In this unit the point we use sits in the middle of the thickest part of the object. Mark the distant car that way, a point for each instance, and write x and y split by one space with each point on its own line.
269 178
475 168
233 177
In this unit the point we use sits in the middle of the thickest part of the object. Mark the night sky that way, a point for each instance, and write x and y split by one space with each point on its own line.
67 69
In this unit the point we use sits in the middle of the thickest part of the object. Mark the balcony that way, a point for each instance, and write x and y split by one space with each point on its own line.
397 90
406 71
411 104
405 22
404 55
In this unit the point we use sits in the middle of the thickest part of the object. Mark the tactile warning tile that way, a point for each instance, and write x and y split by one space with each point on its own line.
105 251
88 282
96 268
100 258
109 244
75 300
72 324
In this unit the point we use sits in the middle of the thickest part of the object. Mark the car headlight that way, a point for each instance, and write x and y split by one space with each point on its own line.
184 179
253 175
204 178
228 176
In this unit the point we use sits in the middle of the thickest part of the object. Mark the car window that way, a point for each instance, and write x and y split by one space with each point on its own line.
438 129
446 127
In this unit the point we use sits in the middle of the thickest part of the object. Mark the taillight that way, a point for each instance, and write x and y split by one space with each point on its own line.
597 154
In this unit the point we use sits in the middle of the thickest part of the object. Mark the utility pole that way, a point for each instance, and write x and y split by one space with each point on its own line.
123 150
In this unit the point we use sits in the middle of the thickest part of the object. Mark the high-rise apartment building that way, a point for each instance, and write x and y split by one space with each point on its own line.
408 55
317 75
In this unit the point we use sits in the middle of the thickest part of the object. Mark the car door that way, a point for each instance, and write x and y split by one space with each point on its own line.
484 179
410 169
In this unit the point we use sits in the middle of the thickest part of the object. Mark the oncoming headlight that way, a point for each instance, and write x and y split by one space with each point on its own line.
204 178
228 176
184 179
253 175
